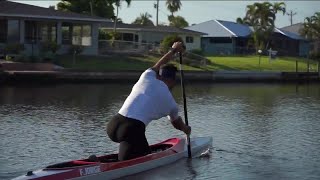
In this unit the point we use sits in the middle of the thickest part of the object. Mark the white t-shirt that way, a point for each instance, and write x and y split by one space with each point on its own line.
150 99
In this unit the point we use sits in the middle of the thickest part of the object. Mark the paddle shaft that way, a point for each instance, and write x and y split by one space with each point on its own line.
184 103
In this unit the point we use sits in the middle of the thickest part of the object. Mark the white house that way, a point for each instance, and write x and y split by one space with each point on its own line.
154 34
30 25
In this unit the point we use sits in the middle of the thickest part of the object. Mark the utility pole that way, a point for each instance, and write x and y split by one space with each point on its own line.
157 7
291 14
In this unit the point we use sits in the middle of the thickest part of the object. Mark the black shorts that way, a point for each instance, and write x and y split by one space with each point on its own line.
130 133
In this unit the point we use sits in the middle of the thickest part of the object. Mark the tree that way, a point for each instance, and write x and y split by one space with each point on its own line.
173 5
52 7
168 42
311 30
240 20
315 21
101 8
246 21
308 28
118 4
311 26
144 19
177 21
262 16
119 20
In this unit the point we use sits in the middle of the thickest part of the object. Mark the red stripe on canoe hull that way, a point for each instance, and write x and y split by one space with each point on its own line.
84 168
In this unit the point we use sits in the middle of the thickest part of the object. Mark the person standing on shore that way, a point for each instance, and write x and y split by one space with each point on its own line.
150 99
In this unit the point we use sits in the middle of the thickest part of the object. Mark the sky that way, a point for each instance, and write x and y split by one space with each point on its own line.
197 11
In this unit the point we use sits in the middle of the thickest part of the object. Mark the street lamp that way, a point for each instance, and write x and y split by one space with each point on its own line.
259 52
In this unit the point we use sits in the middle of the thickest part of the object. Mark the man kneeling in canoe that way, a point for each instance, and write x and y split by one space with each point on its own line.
150 99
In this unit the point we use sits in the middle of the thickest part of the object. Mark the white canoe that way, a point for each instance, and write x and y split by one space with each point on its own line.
108 167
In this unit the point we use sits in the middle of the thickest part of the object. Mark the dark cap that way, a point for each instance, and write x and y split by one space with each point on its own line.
168 71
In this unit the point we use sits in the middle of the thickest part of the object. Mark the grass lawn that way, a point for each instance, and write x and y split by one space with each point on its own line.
110 63
233 63
104 63
251 63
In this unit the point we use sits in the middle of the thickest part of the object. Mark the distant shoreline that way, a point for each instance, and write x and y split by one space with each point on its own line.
65 76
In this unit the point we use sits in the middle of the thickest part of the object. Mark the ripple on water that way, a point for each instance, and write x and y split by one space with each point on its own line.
259 131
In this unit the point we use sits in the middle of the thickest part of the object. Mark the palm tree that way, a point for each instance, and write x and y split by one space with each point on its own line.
307 30
311 30
281 6
250 14
244 20
315 20
262 16
173 5
118 4
144 19
239 20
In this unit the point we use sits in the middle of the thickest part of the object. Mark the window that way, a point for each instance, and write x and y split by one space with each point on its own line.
9 31
127 37
40 32
86 35
13 31
220 40
3 30
47 32
136 38
66 33
30 31
189 39
76 34
240 42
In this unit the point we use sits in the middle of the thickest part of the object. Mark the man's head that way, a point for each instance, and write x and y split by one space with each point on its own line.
167 74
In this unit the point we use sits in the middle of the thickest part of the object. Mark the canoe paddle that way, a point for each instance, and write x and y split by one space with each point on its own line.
184 103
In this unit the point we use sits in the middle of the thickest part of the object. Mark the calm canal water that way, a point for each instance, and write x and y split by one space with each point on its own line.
260 131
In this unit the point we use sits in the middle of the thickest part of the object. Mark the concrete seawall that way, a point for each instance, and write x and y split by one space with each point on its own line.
132 76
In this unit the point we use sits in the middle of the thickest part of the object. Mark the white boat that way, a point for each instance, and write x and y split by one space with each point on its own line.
108 167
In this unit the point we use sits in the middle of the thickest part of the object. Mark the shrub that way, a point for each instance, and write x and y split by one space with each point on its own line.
168 41
49 46
14 48
103 35
314 55
76 49
8 58
114 35
48 50
48 56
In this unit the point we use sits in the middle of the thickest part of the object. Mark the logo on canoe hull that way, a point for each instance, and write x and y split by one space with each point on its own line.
89 170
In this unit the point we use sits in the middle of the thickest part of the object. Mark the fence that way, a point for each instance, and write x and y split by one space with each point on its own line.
107 46
240 50
129 47
135 48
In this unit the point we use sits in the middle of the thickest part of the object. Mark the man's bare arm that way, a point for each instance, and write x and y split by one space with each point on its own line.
180 125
